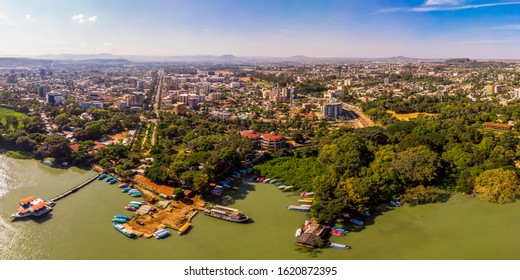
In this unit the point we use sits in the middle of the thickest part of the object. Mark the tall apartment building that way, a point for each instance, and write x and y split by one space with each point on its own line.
331 110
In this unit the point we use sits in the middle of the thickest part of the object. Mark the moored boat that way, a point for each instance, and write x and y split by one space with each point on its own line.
357 222
137 202
119 220
395 203
339 229
102 176
137 194
226 213
302 208
122 229
337 233
134 205
184 228
298 232
339 246
123 185
307 194
162 233
130 208
122 217
127 189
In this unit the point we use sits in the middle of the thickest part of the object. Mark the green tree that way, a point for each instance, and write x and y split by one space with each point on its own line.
498 185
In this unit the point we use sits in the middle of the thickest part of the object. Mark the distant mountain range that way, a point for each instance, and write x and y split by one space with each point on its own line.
110 59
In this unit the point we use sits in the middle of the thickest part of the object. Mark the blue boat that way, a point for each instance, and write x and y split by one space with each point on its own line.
366 214
118 220
272 181
110 178
395 203
339 229
133 191
339 246
162 233
102 176
279 184
112 182
123 230
126 189
122 217
357 222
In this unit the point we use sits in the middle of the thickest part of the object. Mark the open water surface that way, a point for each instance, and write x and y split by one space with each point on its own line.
80 226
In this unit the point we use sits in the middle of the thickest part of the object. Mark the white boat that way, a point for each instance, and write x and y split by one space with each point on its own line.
339 246
298 232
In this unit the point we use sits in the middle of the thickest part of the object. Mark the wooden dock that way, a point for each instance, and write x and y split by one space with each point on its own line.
74 189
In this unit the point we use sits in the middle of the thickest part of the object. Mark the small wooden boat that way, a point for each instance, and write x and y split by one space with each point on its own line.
102 176
127 189
122 217
307 194
123 185
137 194
339 246
395 203
184 228
118 220
302 208
337 233
130 208
357 222
339 229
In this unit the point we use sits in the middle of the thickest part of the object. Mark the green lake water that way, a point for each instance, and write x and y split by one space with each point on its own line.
79 227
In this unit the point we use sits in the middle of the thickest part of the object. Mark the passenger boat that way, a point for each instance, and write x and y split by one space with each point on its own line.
130 208
337 233
122 229
118 220
31 206
357 222
302 208
339 246
184 228
395 203
298 232
102 176
226 213
162 233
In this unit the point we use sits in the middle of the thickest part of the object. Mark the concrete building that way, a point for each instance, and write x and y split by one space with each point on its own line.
252 135
183 98
214 96
135 100
95 104
516 93
272 141
331 110
54 97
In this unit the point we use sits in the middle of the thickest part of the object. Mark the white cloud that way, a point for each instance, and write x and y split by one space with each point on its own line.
508 27
491 41
443 5
107 44
28 16
206 30
285 31
81 18
4 20
441 2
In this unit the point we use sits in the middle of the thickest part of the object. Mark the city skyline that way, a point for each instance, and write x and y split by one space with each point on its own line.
422 28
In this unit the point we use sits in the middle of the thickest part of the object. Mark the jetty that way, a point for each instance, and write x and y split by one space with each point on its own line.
74 189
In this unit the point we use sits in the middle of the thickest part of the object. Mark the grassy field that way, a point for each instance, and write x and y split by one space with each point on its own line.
407 117
7 112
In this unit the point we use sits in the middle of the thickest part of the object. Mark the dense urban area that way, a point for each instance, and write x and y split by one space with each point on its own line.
357 134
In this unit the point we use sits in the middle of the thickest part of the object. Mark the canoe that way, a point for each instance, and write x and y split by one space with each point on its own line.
395 203
184 228
118 220
339 246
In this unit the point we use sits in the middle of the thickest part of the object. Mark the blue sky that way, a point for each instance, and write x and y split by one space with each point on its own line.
333 28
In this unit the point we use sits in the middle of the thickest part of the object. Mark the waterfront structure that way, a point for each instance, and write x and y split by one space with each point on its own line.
272 141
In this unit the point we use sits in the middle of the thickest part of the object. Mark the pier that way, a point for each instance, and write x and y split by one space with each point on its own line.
74 189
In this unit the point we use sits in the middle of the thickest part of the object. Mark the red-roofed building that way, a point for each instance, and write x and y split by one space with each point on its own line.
272 141
74 147
251 135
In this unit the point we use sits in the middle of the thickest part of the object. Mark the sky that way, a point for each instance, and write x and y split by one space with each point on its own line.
485 29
